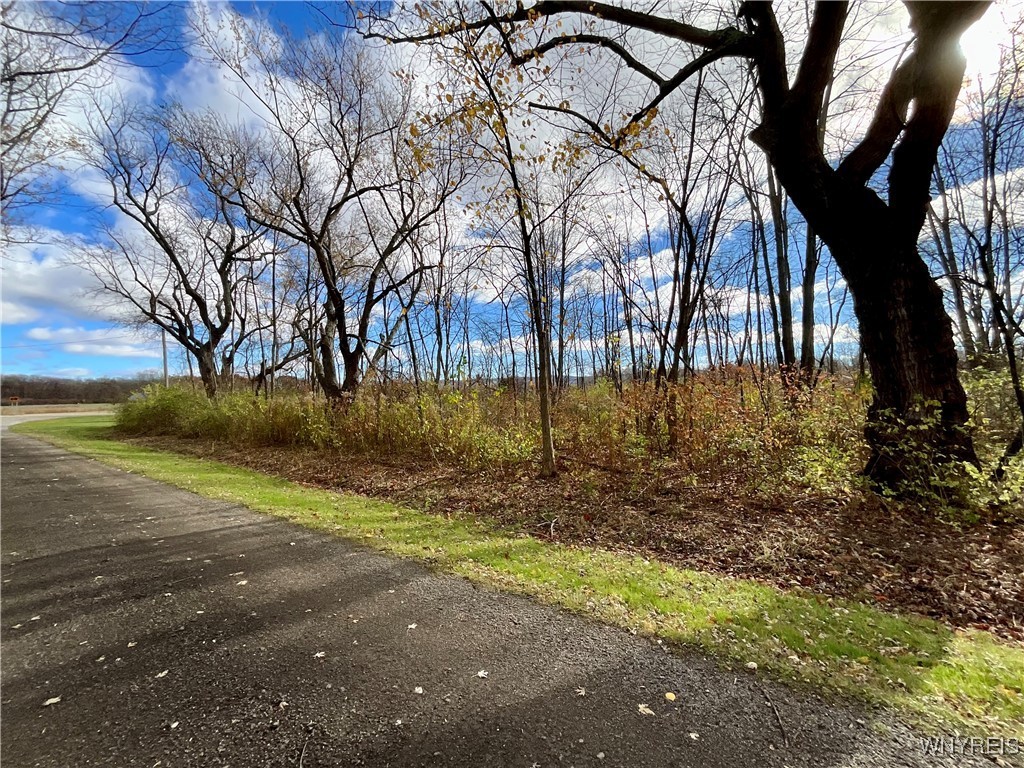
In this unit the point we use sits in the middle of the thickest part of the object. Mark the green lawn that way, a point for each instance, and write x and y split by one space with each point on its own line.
969 680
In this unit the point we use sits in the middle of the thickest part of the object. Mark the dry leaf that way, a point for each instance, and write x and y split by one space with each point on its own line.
319 654
643 709
163 674
54 700
670 696
482 673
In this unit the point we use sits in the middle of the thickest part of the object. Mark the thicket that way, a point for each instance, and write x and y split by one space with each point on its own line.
728 428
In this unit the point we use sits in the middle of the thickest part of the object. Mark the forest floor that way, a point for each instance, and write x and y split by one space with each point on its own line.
967 576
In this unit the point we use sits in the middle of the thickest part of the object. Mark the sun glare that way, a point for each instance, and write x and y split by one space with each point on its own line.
985 39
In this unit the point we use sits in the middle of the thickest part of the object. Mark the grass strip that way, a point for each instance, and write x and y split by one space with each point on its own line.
964 679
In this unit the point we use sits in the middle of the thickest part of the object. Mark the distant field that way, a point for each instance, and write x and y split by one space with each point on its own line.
13 410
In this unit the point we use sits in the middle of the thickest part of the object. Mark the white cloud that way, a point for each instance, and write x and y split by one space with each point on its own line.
103 342
12 313
38 281
72 373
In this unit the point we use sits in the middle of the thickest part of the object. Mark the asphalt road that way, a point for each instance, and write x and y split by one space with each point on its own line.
168 630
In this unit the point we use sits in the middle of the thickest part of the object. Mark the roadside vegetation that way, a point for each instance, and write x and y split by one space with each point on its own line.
931 670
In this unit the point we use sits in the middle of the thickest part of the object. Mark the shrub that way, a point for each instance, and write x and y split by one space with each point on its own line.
724 427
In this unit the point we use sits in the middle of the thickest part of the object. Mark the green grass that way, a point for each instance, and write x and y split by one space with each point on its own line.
918 666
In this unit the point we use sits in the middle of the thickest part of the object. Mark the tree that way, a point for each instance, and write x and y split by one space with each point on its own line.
975 224
180 257
905 331
340 175
51 51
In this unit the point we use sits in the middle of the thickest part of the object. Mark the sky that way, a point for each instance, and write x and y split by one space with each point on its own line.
52 322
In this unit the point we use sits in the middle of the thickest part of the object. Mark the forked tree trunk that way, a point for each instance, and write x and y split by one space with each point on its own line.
918 420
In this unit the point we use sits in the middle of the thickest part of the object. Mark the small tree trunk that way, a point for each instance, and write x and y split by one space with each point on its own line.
547 459
807 356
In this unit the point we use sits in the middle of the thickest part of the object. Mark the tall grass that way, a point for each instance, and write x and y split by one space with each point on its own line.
726 428
723 427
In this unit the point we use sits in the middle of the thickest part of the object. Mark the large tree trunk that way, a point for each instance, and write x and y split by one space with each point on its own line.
206 360
918 418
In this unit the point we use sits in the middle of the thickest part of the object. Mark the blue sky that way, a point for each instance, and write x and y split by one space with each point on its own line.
51 325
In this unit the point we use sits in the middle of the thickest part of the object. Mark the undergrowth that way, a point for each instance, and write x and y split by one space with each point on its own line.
722 430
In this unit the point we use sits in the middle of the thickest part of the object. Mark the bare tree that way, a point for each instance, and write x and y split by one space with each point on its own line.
905 331
51 51
340 174
179 255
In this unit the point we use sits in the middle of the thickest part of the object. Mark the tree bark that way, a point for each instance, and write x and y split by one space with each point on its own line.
206 360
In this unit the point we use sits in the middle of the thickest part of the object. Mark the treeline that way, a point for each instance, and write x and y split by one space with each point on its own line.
52 390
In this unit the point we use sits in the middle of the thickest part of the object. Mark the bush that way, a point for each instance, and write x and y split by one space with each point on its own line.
725 427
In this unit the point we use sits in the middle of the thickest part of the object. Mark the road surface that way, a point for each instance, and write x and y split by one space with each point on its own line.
146 626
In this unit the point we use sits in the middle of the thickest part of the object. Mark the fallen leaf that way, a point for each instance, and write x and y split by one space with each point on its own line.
54 700
132 645
174 725
412 626
163 674
243 582
694 736
581 691
643 709
319 654
751 665
482 673
418 690
35 618
670 696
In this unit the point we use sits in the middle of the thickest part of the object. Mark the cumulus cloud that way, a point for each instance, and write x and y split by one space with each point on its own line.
104 342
